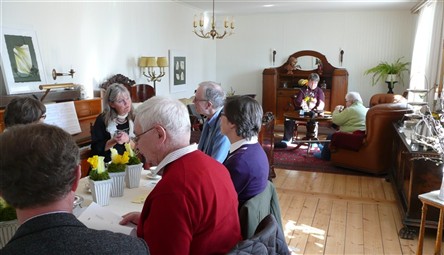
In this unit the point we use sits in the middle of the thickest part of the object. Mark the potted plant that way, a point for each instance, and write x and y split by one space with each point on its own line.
116 171
389 72
8 222
99 180
133 168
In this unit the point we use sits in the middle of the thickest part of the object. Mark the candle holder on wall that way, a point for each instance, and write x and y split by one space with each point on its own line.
55 73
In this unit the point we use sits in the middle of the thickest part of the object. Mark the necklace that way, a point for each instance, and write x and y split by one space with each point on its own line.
121 119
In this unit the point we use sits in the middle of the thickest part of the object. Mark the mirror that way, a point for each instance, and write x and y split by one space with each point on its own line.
307 63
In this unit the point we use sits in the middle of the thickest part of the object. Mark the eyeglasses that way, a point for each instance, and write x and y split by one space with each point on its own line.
137 137
43 116
200 100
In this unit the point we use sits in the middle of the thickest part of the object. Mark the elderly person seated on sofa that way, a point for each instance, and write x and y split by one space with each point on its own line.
350 118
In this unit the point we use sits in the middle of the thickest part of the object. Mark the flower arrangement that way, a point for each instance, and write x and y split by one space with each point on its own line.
133 158
303 82
118 161
429 132
98 171
7 212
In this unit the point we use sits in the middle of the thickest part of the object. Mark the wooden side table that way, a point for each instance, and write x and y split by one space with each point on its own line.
431 198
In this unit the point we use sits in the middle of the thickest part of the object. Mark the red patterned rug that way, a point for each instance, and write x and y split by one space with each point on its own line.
298 159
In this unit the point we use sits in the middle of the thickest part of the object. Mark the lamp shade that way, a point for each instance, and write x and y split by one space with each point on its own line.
143 61
162 61
151 62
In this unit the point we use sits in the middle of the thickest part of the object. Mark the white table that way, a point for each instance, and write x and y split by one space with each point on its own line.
120 205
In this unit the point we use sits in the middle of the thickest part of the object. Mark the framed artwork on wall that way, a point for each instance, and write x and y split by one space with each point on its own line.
178 71
21 63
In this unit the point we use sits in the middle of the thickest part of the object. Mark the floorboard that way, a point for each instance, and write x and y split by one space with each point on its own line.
326 213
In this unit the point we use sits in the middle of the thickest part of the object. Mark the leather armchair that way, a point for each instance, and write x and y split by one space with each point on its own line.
386 99
375 155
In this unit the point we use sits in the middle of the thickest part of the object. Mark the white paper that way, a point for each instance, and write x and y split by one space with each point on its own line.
100 218
64 116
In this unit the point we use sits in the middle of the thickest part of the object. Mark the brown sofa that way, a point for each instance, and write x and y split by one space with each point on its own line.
375 155
386 99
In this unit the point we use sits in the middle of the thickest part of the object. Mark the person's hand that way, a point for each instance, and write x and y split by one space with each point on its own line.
132 217
339 108
121 137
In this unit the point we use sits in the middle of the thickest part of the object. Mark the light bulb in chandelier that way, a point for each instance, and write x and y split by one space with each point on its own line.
228 27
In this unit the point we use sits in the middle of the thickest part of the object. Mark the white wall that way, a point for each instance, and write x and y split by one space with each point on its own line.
100 39
366 38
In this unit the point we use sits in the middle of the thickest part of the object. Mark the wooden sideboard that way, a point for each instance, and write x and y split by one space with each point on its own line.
279 87
412 177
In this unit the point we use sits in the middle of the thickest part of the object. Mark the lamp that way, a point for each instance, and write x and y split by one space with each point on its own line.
150 63
212 33
48 87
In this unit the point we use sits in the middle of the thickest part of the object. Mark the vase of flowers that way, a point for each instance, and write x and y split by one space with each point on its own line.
99 180
116 171
429 132
8 222
133 168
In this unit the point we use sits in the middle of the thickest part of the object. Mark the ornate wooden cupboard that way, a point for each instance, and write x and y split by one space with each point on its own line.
280 84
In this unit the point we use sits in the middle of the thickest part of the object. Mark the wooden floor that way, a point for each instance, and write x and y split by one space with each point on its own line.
342 214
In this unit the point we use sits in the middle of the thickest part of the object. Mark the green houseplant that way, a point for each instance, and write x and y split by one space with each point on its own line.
389 72
8 222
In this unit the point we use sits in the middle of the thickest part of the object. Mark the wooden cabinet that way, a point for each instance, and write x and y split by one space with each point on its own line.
412 177
279 87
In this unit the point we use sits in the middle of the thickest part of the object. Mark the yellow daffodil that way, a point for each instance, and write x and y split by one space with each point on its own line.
94 161
132 156
119 159
303 82
129 149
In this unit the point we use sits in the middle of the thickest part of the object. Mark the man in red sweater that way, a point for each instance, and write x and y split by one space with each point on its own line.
193 208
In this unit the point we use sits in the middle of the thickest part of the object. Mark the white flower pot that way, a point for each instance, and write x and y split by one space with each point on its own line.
118 184
101 191
132 177
7 230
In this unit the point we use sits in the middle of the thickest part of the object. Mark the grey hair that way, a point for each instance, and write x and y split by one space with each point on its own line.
111 94
214 93
353 97
169 113
313 77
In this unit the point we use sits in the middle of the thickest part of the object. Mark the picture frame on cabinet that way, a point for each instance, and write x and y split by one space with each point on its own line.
21 61
178 71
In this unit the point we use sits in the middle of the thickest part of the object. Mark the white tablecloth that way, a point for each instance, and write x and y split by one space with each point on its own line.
132 199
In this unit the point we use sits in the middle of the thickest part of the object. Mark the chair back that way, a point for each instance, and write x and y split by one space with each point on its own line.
386 99
253 211
267 239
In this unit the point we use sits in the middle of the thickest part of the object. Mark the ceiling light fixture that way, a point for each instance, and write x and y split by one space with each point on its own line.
213 33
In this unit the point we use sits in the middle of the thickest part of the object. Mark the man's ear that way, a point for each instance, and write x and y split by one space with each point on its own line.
77 180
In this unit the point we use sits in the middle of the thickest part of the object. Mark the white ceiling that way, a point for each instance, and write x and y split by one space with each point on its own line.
245 7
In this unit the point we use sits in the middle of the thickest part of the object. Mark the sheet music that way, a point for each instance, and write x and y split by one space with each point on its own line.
64 116
100 218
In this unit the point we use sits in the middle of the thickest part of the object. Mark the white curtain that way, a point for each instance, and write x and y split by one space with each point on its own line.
427 50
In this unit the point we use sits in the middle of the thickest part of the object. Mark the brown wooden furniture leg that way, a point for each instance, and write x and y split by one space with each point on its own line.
422 229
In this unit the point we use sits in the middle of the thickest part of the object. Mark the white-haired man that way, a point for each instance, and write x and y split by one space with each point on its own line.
193 208
209 101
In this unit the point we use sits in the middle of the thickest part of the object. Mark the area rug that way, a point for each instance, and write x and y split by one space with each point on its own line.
298 159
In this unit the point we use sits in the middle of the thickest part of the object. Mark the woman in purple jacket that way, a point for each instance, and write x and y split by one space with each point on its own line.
247 162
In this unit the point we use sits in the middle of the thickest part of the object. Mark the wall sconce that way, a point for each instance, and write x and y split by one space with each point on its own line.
55 74
150 63
48 87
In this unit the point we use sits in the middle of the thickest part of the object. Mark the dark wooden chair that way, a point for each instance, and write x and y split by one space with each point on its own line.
139 92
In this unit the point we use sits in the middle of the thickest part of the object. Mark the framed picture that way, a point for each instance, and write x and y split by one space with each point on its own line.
178 71
22 66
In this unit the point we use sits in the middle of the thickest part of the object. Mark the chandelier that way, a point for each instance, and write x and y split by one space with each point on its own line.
228 25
